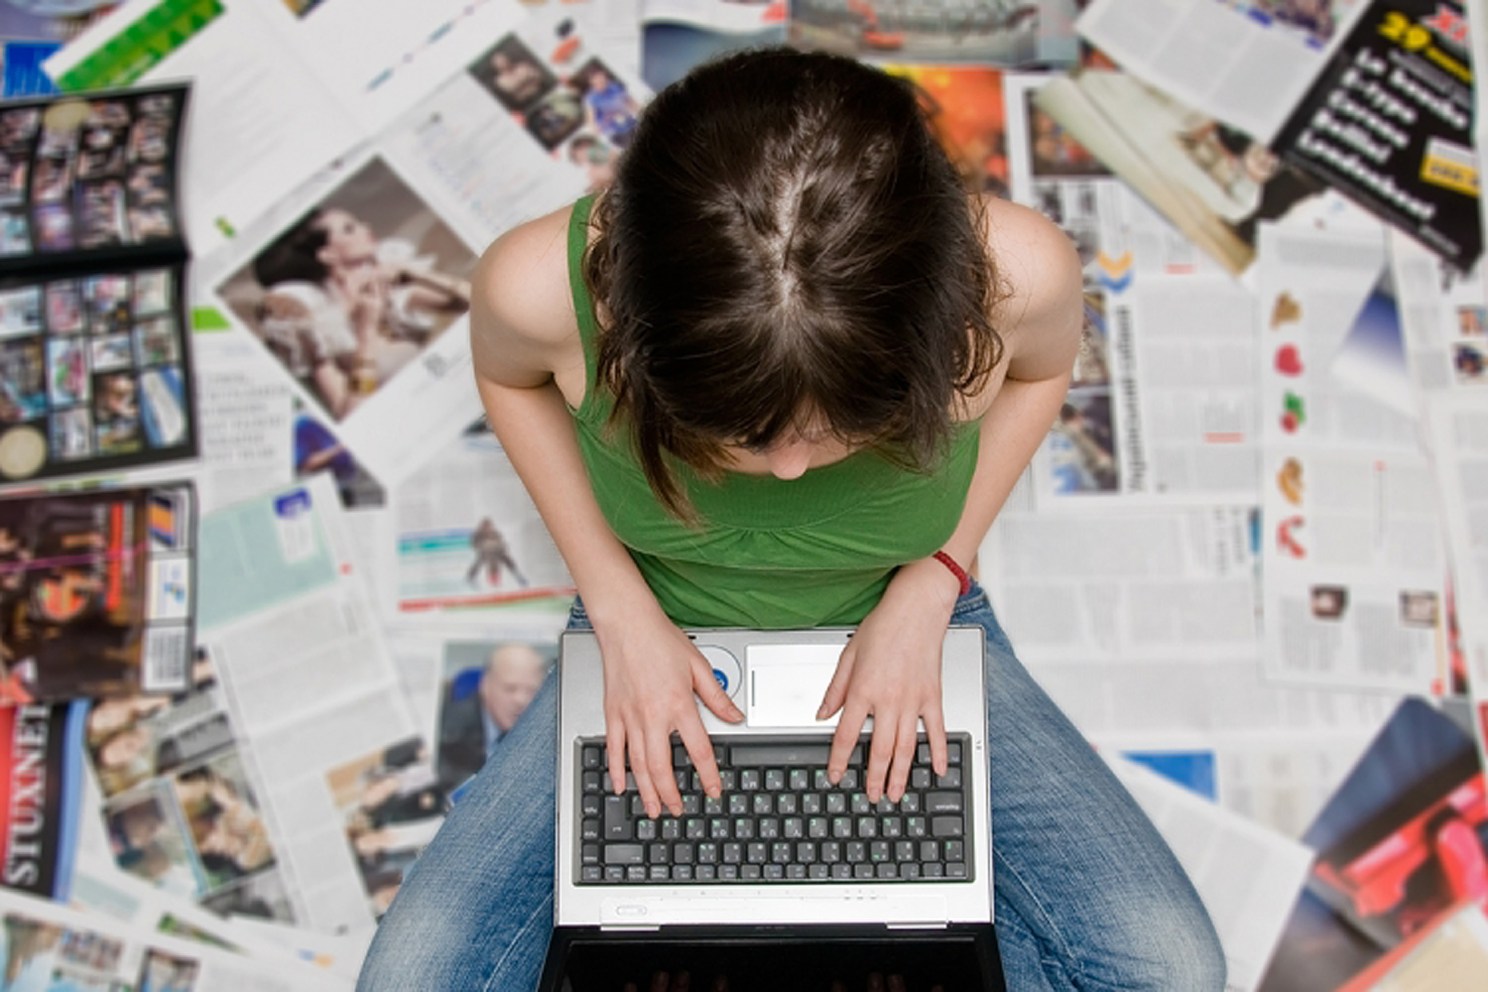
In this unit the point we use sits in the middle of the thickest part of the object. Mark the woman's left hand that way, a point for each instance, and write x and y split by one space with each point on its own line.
890 670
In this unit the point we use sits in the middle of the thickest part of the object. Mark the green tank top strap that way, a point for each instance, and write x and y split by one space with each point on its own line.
578 241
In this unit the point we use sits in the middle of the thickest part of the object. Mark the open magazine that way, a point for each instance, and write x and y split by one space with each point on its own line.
95 374
1252 108
96 591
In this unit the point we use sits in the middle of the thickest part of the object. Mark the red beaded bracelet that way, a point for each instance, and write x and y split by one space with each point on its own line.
956 570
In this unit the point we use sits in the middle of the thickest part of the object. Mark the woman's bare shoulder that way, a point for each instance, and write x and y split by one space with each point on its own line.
522 317
1040 285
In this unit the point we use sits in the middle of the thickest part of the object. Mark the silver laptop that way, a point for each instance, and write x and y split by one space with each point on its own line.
781 847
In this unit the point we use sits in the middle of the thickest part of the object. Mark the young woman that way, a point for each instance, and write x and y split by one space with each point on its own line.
784 373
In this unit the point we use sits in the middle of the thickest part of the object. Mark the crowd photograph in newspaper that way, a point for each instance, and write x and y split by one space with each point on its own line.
392 803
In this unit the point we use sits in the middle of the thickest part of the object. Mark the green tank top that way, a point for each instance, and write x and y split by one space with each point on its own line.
769 553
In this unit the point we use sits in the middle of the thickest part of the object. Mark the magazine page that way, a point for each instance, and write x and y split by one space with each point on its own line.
1389 123
359 291
100 887
1213 181
1246 875
999 34
1161 406
91 178
1444 317
1398 850
347 787
1457 426
265 129
1451 952
178 810
272 128
95 372
1244 62
49 946
466 537
679 34
41 754
359 282
1119 236
1352 542
246 408
530 123
378 75
97 591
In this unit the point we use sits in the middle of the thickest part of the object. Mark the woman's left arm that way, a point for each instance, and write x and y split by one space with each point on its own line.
891 667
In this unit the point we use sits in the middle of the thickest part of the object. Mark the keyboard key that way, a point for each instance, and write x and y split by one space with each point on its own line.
624 854
617 826
779 754
950 780
942 802
954 851
945 826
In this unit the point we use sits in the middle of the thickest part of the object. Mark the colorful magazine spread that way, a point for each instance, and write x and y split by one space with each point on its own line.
95 373
97 591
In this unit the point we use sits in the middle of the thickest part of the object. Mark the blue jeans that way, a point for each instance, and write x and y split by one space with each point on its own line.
1086 893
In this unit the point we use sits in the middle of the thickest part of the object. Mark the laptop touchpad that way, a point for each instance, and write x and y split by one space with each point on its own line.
786 683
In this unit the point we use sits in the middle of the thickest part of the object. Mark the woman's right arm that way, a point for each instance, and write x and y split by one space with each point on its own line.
523 331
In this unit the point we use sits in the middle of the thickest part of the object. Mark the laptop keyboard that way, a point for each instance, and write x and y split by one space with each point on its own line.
778 820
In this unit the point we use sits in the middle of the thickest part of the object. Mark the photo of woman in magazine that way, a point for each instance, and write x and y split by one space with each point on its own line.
354 289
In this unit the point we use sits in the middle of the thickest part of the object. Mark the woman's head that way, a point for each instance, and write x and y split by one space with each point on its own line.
785 251
322 241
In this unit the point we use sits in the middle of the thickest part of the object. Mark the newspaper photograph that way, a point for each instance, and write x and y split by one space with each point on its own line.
483 689
392 804
355 289
1214 182
679 34
467 536
179 810
964 105
1119 235
991 31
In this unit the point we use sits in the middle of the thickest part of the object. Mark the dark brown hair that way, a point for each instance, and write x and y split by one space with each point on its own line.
785 238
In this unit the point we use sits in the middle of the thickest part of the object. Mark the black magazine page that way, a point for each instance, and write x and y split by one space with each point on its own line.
91 179
1389 123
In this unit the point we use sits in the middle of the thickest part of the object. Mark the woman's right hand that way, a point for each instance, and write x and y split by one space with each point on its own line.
654 676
